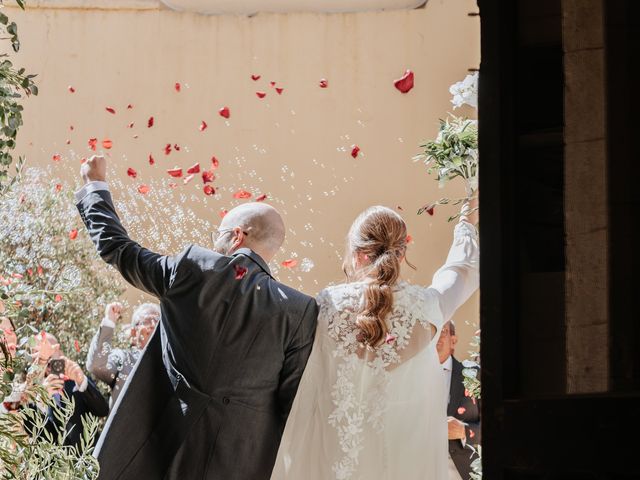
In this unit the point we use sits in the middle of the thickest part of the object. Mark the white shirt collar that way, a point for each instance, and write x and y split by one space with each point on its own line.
448 364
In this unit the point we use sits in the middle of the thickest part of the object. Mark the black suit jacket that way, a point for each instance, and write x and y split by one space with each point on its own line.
210 396
91 401
466 410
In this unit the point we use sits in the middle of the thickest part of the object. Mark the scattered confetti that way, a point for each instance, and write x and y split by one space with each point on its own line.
175 172
261 198
215 163
71 89
106 143
225 112
111 110
167 149
150 122
240 271
194 169
73 234
151 160
324 83
129 107
306 265
355 150
255 78
242 194
273 84
177 86
261 94
143 189
56 157
292 262
58 187
430 210
208 176
93 143
203 126
405 83
279 90
132 173
209 190
176 147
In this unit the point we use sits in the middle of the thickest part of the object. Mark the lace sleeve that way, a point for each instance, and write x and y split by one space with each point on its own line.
459 277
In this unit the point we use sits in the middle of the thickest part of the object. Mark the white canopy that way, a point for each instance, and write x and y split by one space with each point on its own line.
248 7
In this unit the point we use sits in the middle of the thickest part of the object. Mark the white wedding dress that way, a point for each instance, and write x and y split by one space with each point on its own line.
378 414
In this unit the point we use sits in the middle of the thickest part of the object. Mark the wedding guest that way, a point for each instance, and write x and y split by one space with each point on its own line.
463 412
113 365
8 336
64 378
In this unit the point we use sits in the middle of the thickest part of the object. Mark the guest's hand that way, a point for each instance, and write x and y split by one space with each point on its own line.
456 429
43 350
54 384
94 169
74 372
113 311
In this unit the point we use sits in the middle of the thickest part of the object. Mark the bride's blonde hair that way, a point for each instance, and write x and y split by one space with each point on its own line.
379 237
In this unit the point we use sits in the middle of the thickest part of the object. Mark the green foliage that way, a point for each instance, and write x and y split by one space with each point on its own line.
34 453
50 280
471 368
14 83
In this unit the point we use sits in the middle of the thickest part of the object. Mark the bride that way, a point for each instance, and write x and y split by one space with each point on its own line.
372 401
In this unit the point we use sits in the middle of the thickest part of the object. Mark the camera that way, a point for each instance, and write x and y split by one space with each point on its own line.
56 366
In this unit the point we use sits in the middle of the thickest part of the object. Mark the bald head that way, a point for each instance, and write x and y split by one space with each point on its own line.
257 226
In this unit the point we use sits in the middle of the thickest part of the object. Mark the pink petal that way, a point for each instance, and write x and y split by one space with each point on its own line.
289 263
111 110
209 190
240 271
208 176
194 169
106 143
143 189
279 90
261 198
261 94
177 86
71 89
56 157
324 83
132 173
73 234
175 172
151 160
225 112
255 78
203 126
242 194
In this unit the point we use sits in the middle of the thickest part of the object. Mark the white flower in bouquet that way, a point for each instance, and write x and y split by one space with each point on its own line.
465 92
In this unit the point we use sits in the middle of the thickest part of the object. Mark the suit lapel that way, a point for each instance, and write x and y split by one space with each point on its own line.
456 392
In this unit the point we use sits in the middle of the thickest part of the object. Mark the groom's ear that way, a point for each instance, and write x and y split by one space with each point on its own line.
239 238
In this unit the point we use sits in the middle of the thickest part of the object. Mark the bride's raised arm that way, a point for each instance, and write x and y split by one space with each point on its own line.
459 277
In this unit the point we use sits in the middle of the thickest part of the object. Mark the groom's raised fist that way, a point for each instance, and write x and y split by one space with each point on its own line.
94 169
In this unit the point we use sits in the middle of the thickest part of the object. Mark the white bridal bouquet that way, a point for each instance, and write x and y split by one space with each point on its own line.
454 152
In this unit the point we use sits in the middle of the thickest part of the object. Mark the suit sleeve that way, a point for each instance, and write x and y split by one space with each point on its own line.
142 268
103 361
296 357
94 401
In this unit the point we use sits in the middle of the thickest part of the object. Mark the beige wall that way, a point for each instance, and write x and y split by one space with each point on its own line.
294 147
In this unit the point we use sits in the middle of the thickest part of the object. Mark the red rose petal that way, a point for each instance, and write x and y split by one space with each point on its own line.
261 198
111 110
430 210
222 213
151 160
290 263
93 142
129 107
467 393
136 136
203 126
471 433
150 122
29 271
19 276
461 410
58 187
194 169
167 149
279 90
255 78
273 84
71 127
71 89
130 125
187 179
68 142
106 143
242 194
175 172
261 94
143 189
83 160
215 162
177 86
324 83
56 157
58 299
240 271
208 176
409 239
225 112
40 270
176 147
131 172
209 190
73 234
76 345
405 83
355 150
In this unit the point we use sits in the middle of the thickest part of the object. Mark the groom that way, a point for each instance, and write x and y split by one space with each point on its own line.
211 393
